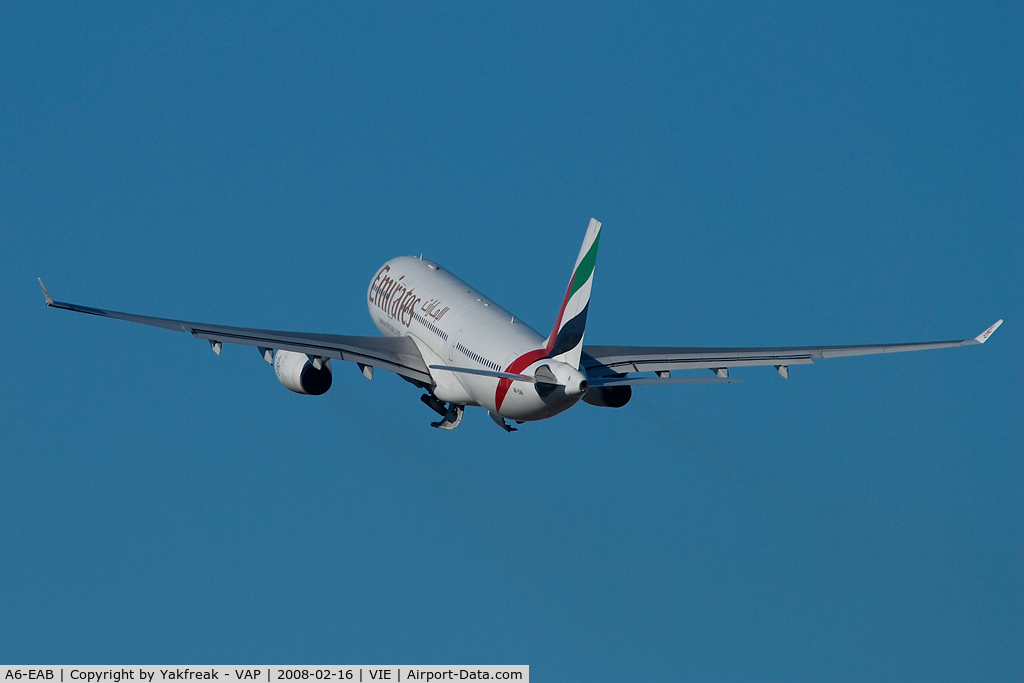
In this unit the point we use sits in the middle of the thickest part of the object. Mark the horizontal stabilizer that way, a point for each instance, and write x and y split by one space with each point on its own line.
490 373
637 381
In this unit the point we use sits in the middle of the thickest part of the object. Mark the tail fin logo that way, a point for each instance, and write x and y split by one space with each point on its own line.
566 340
565 343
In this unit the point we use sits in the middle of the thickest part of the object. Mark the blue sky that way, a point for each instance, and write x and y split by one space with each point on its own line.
766 175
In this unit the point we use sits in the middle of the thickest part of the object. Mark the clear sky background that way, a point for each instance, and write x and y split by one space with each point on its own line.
766 175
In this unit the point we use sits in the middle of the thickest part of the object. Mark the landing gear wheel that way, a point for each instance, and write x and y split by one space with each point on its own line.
452 418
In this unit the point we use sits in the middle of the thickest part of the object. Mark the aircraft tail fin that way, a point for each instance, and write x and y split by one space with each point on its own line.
566 340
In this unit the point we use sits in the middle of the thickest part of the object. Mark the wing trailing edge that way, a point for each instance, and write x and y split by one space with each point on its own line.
618 361
396 354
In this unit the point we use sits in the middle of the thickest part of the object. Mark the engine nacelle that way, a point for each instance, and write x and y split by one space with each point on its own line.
297 373
609 397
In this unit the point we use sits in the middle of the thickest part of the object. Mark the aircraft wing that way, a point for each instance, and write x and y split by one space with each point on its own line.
618 361
397 354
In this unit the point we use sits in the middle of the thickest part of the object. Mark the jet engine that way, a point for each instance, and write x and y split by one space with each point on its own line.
609 397
297 373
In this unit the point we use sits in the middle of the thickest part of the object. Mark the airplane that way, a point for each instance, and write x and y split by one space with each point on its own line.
463 349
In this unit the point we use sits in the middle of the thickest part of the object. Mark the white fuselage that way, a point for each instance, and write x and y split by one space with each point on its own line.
455 325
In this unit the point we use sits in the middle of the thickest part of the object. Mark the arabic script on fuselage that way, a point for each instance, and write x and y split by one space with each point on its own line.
400 302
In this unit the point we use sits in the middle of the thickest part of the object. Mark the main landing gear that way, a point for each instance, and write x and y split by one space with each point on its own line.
500 421
452 418
451 415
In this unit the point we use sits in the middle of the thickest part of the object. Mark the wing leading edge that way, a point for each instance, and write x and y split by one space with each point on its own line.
616 361
397 354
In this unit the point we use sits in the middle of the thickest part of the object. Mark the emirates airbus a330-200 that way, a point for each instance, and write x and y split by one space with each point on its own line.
463 349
